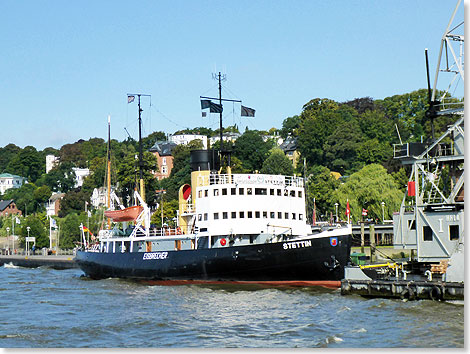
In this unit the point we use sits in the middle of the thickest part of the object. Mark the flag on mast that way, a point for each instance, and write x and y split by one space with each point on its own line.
314 213
348 210
247 112
130 99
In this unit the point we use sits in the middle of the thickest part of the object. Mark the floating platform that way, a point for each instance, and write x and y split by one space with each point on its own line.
402 289
55 262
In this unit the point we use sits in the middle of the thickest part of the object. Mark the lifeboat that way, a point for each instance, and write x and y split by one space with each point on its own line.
127 214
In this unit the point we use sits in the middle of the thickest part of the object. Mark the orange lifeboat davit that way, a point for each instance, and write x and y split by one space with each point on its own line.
127 214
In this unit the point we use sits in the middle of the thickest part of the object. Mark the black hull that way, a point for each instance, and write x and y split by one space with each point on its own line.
313 259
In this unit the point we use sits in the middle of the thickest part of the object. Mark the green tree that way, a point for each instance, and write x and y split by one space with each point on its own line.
129 174
278 163
373 151
70 231
7 153
73 202
321 186
290 126
252 150
26 163
37 230
169 213
367 189
341 146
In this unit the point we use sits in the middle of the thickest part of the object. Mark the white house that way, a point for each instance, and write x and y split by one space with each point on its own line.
8 181
80 174
184 139
51 162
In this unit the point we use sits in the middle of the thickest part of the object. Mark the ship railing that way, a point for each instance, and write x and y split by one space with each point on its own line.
222 179
287 229
188 209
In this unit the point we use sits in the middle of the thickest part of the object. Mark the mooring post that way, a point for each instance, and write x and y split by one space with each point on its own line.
372 243
362 237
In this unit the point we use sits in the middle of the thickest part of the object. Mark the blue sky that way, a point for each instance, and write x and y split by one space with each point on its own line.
66 65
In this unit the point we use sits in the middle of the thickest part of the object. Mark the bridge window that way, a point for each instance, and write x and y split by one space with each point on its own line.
216 216
233 191
427 233
234 214
411 224
224 191
286 216
249 191
279 192
242 214
205 216
265 214
261 191
206 193
271 191
272 215
293 216
300 194
225 215
453 232
279 215
301 217
241 191
250 215
257 214
292 193
216 192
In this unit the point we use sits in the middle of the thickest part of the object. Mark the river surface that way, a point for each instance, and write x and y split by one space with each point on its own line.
60 308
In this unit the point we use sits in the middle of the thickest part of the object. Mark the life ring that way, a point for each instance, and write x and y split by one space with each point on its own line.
223 242
435 293
178 231
407 294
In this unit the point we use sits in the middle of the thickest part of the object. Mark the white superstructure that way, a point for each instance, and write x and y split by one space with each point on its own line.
248 204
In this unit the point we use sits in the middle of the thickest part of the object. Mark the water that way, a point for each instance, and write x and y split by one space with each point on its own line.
59 308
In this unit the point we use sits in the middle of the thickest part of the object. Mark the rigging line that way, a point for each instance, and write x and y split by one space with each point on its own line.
461 23
215 86
168 119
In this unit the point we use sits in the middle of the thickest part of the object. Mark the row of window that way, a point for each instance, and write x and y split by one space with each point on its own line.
250 191
9 181
252 215
454 232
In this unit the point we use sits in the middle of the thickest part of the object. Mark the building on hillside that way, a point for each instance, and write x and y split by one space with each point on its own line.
231 137
51 162
80 174
289 146
8 207
53 204
99 197
8 181
185 139
162 150
277 139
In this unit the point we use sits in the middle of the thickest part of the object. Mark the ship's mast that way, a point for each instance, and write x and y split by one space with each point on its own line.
109 169
219 77
141 157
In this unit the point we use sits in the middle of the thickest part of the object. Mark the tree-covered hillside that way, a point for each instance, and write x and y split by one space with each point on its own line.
353 138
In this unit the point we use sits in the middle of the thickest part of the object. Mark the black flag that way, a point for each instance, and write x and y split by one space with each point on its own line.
205 104
247 112
216 108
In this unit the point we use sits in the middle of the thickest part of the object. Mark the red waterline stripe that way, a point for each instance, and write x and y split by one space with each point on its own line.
331 284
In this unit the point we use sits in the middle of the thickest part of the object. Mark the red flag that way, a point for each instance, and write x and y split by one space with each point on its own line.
314 213
348 211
